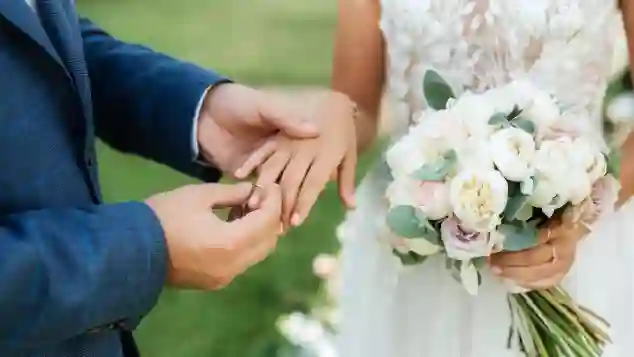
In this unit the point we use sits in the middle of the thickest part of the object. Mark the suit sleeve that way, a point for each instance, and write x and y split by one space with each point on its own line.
86 267
145 102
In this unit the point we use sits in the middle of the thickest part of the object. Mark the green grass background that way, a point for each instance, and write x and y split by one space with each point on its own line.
259 42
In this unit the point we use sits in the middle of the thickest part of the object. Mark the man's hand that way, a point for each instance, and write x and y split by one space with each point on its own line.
236 120
206 252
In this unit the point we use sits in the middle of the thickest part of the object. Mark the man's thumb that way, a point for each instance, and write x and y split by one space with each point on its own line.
280 116
222 195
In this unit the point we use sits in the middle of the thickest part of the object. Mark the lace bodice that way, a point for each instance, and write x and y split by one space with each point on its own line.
564 46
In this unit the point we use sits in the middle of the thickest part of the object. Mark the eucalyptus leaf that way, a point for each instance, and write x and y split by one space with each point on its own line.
470 277
403 221
498 119
430 233
524 124
614 162
518 236
479 262
438 170
410 258
514 113
516 207
437 91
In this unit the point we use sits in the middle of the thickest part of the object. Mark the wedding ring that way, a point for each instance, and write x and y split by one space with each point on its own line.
555 257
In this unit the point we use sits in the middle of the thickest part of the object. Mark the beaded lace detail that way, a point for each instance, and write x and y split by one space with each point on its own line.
564 46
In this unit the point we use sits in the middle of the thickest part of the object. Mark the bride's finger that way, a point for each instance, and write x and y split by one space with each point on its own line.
545 283
270 171
257 158
346 178
525 258
292 180
536 272
314 183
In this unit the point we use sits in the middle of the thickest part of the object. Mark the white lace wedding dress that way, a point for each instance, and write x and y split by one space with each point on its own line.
564 46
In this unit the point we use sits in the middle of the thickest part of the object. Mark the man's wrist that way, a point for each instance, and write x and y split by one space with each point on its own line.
198 118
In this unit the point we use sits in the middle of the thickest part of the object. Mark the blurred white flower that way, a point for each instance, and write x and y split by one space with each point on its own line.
621 108
325 265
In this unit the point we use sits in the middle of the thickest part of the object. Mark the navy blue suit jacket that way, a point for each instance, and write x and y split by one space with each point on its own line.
76 275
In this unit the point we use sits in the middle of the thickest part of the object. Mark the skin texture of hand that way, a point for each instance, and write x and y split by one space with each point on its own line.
236 120
204 251
303 167
545 265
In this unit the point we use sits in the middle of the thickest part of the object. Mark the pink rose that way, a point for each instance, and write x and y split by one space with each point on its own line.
603 197
431 197
461 244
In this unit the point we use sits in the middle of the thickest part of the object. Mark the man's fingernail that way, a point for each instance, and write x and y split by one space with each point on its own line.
282 229
496 270
296 219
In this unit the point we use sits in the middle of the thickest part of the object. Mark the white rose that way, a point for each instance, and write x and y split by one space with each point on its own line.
559 178
589 158
475 154
475 111
405 156
542 110
513 151
431 197
443 130
521 92
478 197
503 99
546 194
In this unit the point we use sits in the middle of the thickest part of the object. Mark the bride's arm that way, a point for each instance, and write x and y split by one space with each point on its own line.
358 65
627 165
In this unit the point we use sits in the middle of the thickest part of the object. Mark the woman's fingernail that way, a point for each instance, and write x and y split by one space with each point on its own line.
296 219
352 201
282 229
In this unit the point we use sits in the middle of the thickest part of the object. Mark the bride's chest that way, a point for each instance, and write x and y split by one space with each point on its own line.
505 20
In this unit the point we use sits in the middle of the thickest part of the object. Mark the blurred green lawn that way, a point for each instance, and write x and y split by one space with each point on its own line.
260 42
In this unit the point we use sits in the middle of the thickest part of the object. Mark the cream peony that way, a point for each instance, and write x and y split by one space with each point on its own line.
513 151
478 197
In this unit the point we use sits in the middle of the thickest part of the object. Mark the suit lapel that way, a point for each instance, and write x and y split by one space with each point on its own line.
21 16
61 25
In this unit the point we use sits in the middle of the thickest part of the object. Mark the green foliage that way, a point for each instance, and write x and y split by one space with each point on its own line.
437 91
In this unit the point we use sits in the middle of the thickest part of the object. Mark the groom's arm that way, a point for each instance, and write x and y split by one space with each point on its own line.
91 268
145 102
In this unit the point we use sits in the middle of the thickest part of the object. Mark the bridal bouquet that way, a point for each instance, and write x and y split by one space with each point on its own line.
481 173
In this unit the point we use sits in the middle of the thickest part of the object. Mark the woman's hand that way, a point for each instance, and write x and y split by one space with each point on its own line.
545 265
304 167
